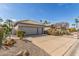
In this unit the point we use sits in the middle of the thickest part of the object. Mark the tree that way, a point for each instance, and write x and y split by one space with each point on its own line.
76 21
1 20
6 30
74 25
46 22
41 21
9 23
20 34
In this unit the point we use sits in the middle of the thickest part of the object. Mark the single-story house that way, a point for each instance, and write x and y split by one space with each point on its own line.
60 25
29 27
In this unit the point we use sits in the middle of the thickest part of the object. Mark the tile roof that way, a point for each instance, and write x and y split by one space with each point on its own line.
30 22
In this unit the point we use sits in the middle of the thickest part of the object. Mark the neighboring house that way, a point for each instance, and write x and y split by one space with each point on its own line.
29 27
61 25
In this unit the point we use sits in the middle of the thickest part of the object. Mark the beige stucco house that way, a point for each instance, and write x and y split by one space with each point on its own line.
29 27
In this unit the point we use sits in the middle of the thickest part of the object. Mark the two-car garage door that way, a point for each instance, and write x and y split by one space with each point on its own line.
31 30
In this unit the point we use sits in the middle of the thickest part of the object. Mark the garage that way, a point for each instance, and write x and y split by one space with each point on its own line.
29 27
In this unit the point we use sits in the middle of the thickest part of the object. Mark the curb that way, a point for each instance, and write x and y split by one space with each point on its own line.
71 48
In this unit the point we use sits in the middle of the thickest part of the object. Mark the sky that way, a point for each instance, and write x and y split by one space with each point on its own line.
52 12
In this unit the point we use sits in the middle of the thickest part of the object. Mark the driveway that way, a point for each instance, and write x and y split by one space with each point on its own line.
54 45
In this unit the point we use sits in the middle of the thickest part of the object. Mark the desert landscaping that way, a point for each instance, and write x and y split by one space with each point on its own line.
54 40
39 29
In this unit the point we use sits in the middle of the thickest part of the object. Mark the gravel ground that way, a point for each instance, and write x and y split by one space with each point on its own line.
23 45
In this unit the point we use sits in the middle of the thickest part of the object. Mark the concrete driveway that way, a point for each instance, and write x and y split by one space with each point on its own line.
54 45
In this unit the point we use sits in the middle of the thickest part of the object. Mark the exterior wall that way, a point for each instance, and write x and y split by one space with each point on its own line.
46 28
14 30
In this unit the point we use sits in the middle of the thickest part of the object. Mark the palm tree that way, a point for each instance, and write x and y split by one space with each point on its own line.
74 25
41 21
9 23
46 22
1 20
76 21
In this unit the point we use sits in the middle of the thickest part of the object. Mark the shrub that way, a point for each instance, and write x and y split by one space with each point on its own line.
1 36
72 30
9 42
20 34
49 32
57 32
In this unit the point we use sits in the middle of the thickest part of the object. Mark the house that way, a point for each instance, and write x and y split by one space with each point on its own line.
60 25
29 27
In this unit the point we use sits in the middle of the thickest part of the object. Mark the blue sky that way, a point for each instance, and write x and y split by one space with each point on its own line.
54 12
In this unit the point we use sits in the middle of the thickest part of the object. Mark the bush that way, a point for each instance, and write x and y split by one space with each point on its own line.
57 32
9 42
20 34
72 30
49 32
1 36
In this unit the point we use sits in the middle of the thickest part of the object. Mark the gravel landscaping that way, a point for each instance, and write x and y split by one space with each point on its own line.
20 46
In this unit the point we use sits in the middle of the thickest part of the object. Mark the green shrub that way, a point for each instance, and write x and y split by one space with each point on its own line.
20 34
72 30
49 32
1 36
57 32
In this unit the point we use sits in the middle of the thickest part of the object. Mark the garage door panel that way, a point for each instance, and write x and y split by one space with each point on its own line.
29 30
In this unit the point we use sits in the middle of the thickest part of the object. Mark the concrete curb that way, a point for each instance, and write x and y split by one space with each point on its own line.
68 53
